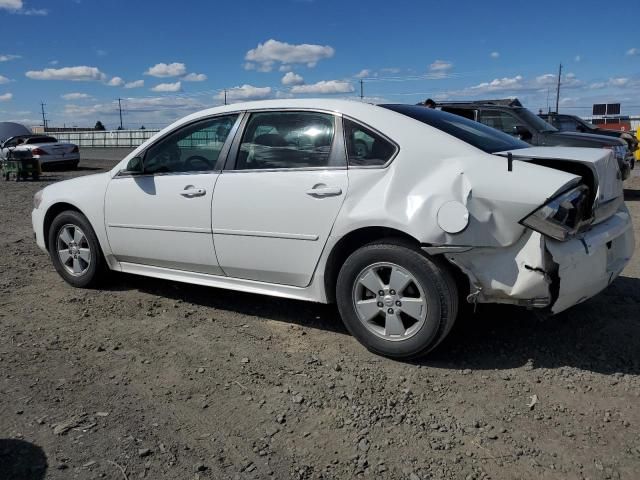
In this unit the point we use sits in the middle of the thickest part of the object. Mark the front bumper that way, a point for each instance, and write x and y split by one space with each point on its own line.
540 272
37 221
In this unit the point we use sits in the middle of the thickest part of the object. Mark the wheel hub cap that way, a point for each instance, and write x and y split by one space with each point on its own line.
74 251
389 301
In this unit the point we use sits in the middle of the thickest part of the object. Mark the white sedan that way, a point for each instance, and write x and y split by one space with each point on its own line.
275 198
45 148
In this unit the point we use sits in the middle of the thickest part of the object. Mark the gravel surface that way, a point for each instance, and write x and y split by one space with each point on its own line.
153 379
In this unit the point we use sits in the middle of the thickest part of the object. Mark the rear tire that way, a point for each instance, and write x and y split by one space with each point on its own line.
75 251
415 305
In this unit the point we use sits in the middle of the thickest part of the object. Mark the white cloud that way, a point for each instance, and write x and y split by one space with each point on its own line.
134 84
39 12
364 73
440 66
195 77
271 52
150 111
6 58
80 73
168 87
546 80
494 54
4 80
11 4
17 7
116 82
54 62
618 82
324 87
245 92
390 70
577 58
75 96
632 52
291 78
499 84
6 97
162 70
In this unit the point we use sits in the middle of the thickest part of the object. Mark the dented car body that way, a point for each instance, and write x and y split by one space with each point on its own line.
392 229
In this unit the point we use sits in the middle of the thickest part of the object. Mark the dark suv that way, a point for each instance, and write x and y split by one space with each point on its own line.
511 117
573 123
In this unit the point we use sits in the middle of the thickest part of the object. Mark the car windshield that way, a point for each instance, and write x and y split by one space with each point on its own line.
480 136
535 121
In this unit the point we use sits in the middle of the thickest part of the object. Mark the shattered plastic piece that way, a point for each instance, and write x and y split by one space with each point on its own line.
533 402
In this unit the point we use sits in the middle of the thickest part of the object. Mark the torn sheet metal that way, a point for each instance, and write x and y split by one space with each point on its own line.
520 274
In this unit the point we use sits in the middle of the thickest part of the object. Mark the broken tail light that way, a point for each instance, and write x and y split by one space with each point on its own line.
563 216
38 151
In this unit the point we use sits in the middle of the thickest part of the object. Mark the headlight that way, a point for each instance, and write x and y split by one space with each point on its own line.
37 199
563 216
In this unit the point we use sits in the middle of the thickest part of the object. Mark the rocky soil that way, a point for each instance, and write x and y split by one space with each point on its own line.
153 379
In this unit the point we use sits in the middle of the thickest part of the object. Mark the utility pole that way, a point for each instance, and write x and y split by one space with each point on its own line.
225 96
558 91
361 89
120 109
44 118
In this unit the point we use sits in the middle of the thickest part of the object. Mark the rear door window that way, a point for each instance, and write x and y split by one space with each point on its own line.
276 140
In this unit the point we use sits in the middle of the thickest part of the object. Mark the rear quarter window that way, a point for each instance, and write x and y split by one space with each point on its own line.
366 148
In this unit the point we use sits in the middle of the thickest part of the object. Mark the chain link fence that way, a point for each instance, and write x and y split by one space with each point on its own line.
110 138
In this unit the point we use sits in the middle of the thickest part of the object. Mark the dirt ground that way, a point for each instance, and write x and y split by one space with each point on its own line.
153 379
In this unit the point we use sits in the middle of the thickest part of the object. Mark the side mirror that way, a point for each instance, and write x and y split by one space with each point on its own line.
522 132
135 166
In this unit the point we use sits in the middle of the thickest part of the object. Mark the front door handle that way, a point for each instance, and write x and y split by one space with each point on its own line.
190 192
321 190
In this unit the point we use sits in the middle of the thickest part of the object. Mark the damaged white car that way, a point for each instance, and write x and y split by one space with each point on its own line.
281 198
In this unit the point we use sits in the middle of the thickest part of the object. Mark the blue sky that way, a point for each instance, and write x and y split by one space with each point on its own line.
166 58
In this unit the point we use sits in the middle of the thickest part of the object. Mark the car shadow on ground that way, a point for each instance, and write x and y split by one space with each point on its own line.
21 460
601 335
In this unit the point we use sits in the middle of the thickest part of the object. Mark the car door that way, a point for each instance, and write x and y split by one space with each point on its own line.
162 216
276 202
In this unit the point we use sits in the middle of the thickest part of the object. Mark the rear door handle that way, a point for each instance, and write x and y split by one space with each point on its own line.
321 190
190 192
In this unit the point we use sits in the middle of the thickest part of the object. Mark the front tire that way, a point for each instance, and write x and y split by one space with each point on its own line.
395 300
74 250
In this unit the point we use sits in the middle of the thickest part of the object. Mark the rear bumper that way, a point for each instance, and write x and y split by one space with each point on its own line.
589 263
55 160
540 272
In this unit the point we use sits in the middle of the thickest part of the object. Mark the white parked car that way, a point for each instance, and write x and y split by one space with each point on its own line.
45 148
274 198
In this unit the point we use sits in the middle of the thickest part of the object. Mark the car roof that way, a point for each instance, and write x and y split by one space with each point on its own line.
500 102
355 108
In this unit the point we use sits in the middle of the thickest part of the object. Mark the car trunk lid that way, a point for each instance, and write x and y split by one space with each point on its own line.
597 166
